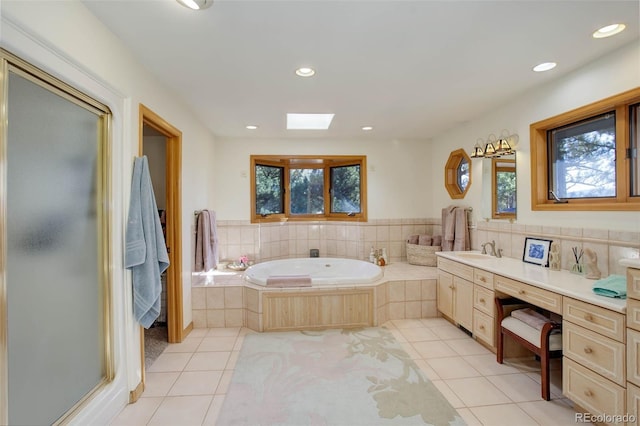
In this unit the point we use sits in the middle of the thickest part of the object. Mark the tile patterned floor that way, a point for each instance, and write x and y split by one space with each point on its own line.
186 385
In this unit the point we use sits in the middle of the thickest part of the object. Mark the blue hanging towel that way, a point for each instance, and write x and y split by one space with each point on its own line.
146 252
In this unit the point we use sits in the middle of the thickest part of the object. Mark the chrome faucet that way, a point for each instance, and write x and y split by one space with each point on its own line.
492 244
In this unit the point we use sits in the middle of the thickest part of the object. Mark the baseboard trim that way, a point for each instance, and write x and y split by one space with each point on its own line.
188 329
135 394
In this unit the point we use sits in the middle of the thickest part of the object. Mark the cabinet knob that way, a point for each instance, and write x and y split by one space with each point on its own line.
483 279
588 350
588 317
521 291
482 300
588 393
451 287
481 327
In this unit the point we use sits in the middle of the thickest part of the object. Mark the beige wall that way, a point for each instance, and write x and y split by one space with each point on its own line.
397 173
615 73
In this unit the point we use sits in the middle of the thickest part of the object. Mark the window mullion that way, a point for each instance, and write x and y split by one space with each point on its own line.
327 191
287 191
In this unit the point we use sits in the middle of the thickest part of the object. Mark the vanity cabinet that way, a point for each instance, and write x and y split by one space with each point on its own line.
593 345
544 299
455 292
455 299
484 307
465 295
633 342
601 345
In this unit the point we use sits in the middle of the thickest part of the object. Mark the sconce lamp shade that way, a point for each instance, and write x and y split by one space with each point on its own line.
477 152
503 147
489 149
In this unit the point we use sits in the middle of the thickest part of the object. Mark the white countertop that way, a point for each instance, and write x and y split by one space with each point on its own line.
631 263
561 282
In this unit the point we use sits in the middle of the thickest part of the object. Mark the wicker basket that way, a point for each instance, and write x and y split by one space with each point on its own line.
422 255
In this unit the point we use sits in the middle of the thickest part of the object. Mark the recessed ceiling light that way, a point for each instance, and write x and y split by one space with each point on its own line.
196 4
309 121
367 128
251 127
545 66
609 30
305 72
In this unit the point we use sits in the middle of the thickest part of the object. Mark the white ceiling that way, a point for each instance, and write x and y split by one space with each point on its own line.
411 69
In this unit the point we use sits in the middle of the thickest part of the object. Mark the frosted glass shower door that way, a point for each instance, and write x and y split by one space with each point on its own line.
54 231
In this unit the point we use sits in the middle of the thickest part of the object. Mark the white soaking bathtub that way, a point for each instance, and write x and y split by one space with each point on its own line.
324 271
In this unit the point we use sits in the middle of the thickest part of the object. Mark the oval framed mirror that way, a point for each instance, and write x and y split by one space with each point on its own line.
457 174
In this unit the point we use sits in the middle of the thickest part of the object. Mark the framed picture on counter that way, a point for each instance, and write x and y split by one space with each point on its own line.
536 251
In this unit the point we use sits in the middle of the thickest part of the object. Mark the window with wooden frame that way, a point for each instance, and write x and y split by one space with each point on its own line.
587 159
308 187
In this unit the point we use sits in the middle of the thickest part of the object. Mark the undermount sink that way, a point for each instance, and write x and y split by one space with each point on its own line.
469 255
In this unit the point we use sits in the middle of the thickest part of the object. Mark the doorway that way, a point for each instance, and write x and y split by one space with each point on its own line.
162 143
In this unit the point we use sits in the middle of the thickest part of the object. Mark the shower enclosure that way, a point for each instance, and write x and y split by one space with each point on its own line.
55 348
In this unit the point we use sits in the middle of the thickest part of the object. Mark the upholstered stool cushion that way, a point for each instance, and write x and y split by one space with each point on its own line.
531 334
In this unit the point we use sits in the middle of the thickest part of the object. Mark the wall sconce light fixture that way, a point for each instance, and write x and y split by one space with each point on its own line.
495 147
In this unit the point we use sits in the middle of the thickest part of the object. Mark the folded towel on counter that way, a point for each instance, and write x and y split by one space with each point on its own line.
530 317
424 240
612 286
289 281
414 239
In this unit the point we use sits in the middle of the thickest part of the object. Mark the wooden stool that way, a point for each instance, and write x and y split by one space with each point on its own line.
539 341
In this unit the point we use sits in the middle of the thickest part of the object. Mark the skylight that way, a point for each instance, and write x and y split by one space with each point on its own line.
309 121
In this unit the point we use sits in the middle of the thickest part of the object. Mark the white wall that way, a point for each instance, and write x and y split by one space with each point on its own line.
156 152
66 40
613 74
397 176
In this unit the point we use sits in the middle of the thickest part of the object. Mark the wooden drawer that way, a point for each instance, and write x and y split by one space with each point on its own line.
633 357
534 295
603 355
483 328
590 391
603 321
483 278
633 283
633 402
455 268
483 300
633 314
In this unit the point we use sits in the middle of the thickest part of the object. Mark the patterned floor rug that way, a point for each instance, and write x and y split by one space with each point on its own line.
331 377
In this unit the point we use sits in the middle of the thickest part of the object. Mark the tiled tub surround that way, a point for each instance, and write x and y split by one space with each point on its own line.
262 242
225 299
353 240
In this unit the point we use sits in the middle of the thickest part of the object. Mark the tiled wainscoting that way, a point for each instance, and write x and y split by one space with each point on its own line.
353 240
610 246
223 299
